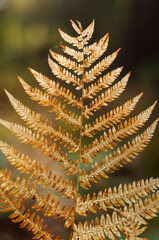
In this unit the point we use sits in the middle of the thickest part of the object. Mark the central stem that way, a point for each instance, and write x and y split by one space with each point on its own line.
80 148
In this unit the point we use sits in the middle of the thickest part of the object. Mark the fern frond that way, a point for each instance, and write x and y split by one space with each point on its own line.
54 89
127 128
53 209
119 158
139 211
118 196
148 208
41 174
128 221
24 190
21 189
77 55
92 49
87 33
89 49
67 63
35 121
12 154
128 206
102 83
112 117
106 97
97 51
75 41
106 226
100 67
45 100
64 74
81 40
77 27
25 218
38 141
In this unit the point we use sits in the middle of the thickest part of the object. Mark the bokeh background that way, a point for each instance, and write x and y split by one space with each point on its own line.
28 29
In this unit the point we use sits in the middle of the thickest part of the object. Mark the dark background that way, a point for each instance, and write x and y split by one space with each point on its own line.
28 29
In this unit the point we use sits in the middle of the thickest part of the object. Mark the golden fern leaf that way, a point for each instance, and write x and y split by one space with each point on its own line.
64 74
108 96
98 51
127 221
77 55
118 196
106 226
119 158
103 82
15 187
100 67
25 191
54 89
106 120
41 174
130 205
45 100
107 140
67 63
25 218
35 121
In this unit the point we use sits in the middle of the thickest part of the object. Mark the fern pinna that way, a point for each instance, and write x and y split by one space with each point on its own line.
129 206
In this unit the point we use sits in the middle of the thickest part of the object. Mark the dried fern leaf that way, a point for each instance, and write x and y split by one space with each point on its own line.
41 174
82 39
35 121
89 49
21 189
77 27
148 208
131 226
107 140
129 205
119 158
45 100
24 190
25 218
102 83
77 55
118 196
139 211
106 97
67 63
75 41
53 209
12 154
38 141
54 89
87 33
128 221
106 226
99 67
97 51
111 118
64 74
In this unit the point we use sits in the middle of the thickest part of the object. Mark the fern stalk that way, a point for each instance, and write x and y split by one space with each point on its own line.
80 150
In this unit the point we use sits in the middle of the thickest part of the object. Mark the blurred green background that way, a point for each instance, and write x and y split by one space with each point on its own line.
28 29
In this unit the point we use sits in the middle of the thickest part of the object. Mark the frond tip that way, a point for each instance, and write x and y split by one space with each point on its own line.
92 87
